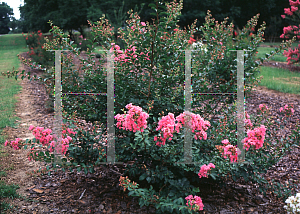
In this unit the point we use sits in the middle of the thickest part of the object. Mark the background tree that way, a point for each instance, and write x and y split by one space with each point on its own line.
73 14
36 14
6 13
15 25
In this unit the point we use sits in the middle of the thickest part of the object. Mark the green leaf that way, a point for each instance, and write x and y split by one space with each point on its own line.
152 5
143 176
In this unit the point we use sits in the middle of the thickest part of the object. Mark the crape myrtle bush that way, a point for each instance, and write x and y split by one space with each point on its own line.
292 15
149 76
35 42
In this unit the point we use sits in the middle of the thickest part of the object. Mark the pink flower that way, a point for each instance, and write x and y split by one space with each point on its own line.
143 23
196 123
288 11
263 107
288 110
225 142
175 29
197 201
255 137
231 151
134 120
248 122
204 170
191 41
293 9
286 30
167 126
79 43
283 16
294 3
6 143
31 127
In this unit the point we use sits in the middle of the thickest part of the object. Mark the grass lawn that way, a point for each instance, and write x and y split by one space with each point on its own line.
275 78
280 80
278 57
263 50
10 46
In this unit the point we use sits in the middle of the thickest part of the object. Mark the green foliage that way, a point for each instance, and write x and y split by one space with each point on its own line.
8 191
151 76
35 42
3 173
86 152
6 13
15 25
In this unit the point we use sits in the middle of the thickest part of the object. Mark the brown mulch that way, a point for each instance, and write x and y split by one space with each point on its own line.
74 192
282 65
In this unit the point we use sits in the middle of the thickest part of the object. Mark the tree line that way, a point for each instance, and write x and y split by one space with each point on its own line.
73 14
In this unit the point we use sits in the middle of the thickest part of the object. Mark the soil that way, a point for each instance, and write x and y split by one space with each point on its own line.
75 192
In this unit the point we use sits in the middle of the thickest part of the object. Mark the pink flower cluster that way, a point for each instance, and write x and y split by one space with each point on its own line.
255 137
287 110
248 121
134 120
289 11
191 200
290 30
45 138
167 126
192 40
128 56
196 123
14 144
292 54
263 107
230 151
204 170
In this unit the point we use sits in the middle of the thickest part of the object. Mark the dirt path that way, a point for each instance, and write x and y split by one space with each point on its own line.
28 109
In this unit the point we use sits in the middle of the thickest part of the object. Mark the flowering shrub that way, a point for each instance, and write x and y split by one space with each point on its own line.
149 73
292 30
287 110
85 153
217 169
35 42
293 204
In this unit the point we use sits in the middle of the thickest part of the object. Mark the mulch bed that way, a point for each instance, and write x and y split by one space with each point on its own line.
282 65
75 192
